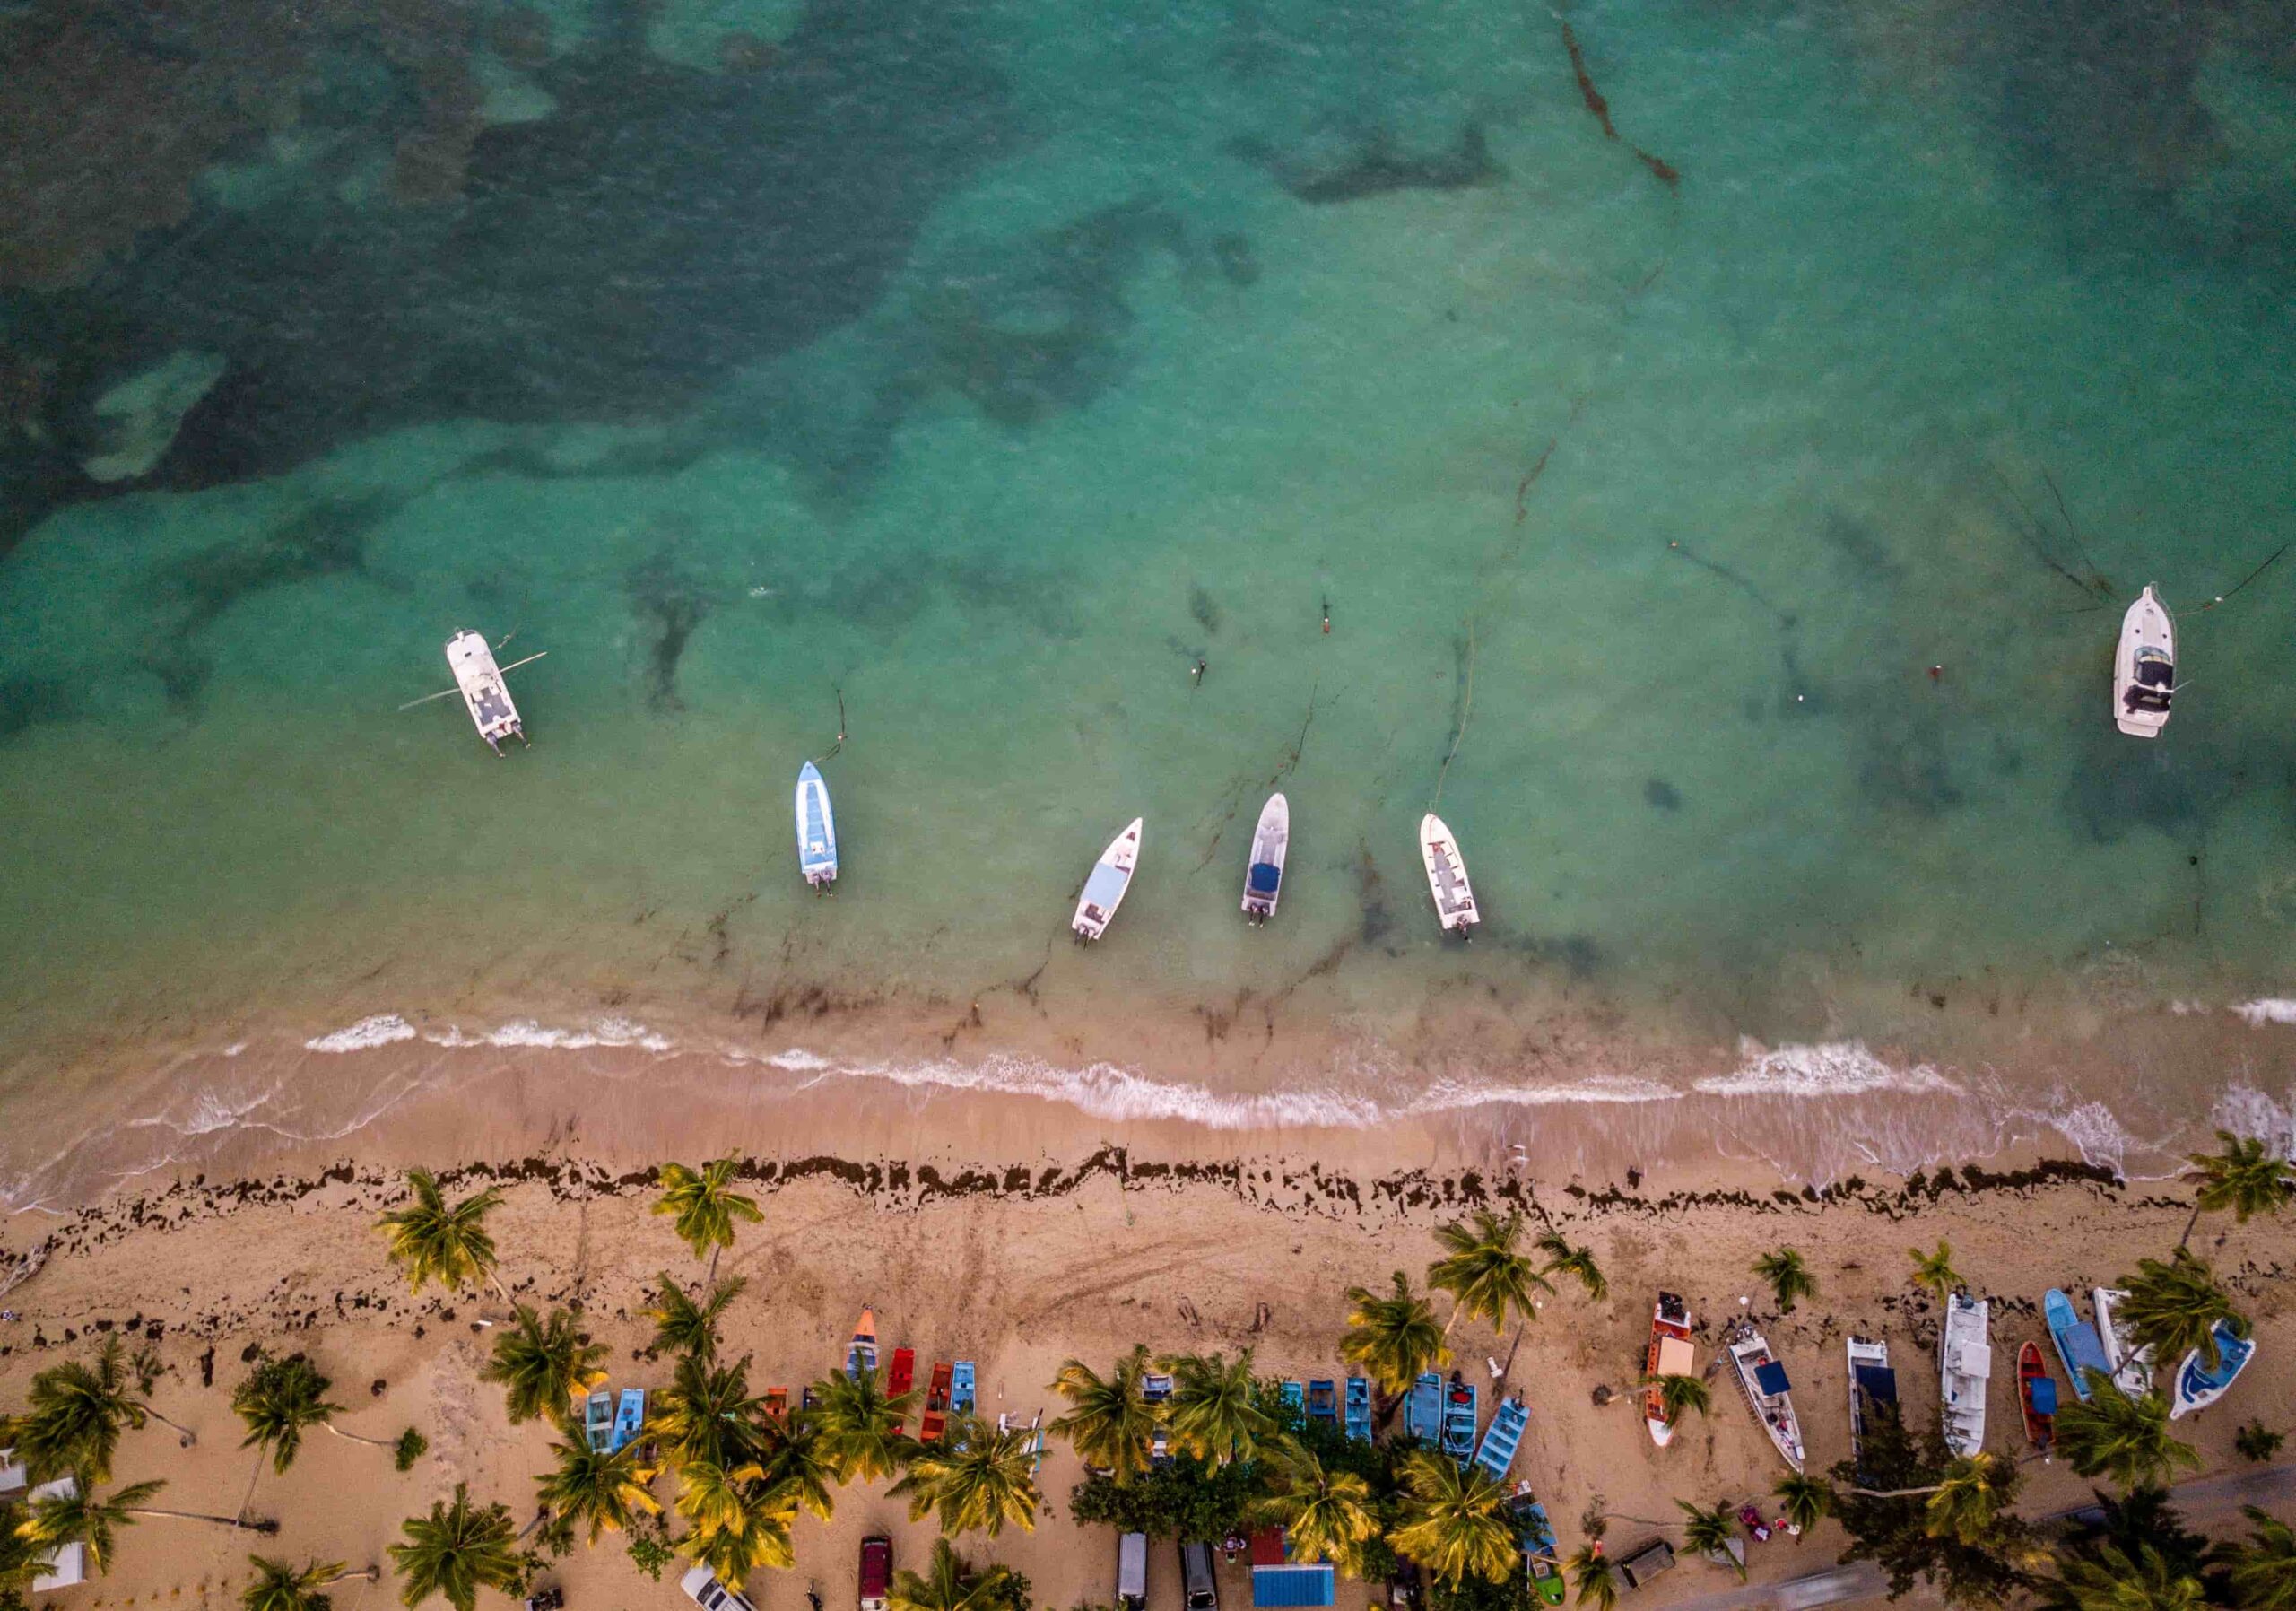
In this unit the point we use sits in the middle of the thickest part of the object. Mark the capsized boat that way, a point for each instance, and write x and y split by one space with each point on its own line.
2078 1348
1542 1557
1423 1407
1358 1409
2037 1395
2132 1365
1504 1435
1446 877
485 694
2197 1386
630 1417
1964 1367
1873 1393
1462 1408
816 829
1670 1353
2145 666
861 1353
1263 879
1104 889
1768 1393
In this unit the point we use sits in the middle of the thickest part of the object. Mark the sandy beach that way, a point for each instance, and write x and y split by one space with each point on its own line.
1018 1261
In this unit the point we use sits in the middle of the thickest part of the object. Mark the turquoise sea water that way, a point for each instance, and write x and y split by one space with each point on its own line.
989 366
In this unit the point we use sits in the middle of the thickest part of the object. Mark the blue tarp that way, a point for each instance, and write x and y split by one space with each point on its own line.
1265 874
1298 1585
2044 1391
1771 1377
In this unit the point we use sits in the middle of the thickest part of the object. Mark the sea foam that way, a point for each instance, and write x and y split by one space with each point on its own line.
1829 1068
2268 1009
381 1030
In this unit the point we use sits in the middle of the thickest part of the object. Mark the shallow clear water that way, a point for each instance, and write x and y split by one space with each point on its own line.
991 366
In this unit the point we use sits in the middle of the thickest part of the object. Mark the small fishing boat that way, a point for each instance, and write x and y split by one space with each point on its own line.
2037 1395
1264 879
1422 1408
777 1404
1323 1402
1358 1409
1504 1435
1542 1557
2144 667
597 1421
1964 1367
816 830
2078 1346
485 695
1461 1411
1873 1393
1295 1395
2132 1366
861 1353
1104 889
2197 1386
630 1417
1670 1353
901 1378
935 1419
963 1391
1446 877
1762 1379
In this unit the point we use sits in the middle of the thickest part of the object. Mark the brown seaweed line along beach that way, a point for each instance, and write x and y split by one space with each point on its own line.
229 1297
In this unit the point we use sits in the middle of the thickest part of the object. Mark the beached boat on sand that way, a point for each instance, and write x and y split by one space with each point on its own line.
2078 1348
1504 1435
1768 1393
1358 1409
1541 1555
936 1418
2198 1386
2132 1366
1964 1368
1873 1393
1670 1353
1423 1407
1104 889
1462 1408
1263 877
1446 877
816 829
2144 667
2037 1397
1323 1401
861 1353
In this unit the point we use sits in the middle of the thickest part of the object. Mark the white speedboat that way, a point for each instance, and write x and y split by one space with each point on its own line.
1873 1393
1965 1367
2197 1386
816 830
1264 879
483 690
1446 877
1762 1379
2132 1366
2145 666
1104 889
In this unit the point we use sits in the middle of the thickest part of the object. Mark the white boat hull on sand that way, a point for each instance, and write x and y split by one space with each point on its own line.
1965 1369
485 694
1105 886
2144 667
1446 877
2131 1367
1263 876
816 829
1749 1352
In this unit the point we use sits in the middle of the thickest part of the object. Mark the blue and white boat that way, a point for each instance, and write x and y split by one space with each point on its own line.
2079 1349
2197 1386
1295 1398
1423 1409
963 1387
1496 1453
1462 1408
630 1419
816 829
1358 1409
1104 889
1264 879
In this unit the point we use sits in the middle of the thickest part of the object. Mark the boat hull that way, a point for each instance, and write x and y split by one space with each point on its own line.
2199 1387
1446 877
2147 631
1749 1351
816 829
1263 876
1106 886
2131 1367
485 694
1965 1368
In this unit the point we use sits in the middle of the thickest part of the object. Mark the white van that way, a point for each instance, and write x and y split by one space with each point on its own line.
703 1588
1132 1572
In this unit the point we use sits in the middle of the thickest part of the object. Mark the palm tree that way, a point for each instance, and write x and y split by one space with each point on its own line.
1709 1533
798 1465
2114 1582
1808 1501
856 1426
976 1477
2125 1439
1789 1276
1457 1521
2242 1175
2262 1572
714 1497
431 1241
1967 1500
950 1584
279 1587
1935 1271
1578 1263
543 1366
594 1488
705 1206
76 1412
1392 1339
1483 1270
456 1550
78 1516
1590 1569
1678 1395
1323 1513
1108 1422
1213 1412
2173 1307
682 1326
279 1401
759 1536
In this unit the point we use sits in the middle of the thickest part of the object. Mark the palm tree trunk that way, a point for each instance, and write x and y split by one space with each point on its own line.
253 1477
231 1521
540 1516
371 1574
500 1291
189 1436
359 1438
2191 1219
1896 1493
712 1280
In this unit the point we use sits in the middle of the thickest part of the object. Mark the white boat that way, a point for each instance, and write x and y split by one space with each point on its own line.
1264 879
1446 877
1873 1393
2145 666
483 690
816 829
1762 1379
2132 1366
1964 1367
1111 875
1670 1353
2197 1386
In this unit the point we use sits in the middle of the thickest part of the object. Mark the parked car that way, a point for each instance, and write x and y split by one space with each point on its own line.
703 1588
1199 1588
876 1571
1132 1572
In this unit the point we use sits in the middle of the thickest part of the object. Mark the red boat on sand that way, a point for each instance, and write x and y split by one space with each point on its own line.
2037 1395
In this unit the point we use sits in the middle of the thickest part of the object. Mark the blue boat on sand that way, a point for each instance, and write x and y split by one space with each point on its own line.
630 1419
1461 1411
2198 1386
2079 1348
1359 1410
1423 1409
962 1393
1295 1398
1496 1453
1323 1402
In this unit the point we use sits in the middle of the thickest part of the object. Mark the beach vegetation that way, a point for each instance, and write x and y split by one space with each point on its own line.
280 1586
80 1515
1593 1577
650 1550
2126 1439
543 1365
2244 1177
950 1582
1455 1523
1565 1258
708 1415
755 1532
856 1426
705 1207
1185 1498
2118 1580
77 1410
1971 1549
1806 1500
2260 1571
1215 1410
455 1551
432 1240
410 1447
976 1478
1710 1531
2141 1516
280 1399
1680 1395
1789 1276
2256 1442
1325 1513
1485 1270
1108 1423
797 1463
1392 1337
596 1489
685 1325
2172 1307
1934 1273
